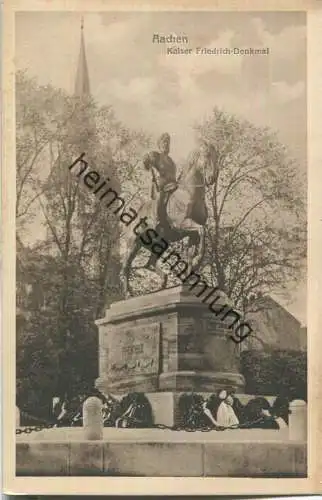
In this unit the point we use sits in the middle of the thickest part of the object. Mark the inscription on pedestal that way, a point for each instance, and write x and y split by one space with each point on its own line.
135 351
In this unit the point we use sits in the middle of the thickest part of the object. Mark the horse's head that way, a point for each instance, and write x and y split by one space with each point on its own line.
211 163
205 160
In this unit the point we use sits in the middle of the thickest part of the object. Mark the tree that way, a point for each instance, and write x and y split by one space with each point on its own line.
41 113
256 231
82 237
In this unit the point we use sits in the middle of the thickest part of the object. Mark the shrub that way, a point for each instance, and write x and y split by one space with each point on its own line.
278 372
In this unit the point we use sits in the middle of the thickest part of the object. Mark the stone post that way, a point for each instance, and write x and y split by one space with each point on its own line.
17 417
298 420
93 419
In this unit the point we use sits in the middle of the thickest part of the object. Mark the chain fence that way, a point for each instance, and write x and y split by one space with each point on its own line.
43 424
187 428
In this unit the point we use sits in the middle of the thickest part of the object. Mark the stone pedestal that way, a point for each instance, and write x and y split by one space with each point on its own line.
168 341
17 417
298 420
165 407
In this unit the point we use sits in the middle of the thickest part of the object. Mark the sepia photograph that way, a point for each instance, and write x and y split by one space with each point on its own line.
161 232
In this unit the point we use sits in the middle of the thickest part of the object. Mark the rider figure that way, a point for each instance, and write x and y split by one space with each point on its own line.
166 168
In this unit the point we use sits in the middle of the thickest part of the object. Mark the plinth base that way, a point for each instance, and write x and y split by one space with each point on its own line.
167 341
162 453
143 383
173 381
200 381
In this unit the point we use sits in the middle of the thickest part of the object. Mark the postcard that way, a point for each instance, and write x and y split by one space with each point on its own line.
161 249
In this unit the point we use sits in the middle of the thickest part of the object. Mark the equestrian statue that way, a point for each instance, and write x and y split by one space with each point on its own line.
177 208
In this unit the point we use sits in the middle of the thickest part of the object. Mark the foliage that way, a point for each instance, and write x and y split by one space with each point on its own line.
278 372
256 230
72 273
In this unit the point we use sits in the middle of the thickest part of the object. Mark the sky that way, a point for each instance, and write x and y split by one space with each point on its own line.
156 92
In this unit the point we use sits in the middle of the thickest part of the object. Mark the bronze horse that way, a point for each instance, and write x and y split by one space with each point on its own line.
186 214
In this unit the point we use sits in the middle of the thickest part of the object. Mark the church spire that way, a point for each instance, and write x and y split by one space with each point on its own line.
82 88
